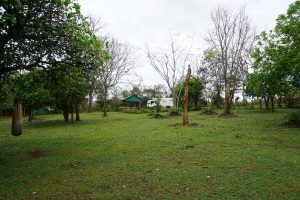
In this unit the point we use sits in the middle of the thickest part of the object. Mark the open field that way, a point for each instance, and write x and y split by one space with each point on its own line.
133 156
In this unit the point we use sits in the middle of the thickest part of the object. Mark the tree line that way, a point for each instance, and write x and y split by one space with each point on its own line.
236 61
52 55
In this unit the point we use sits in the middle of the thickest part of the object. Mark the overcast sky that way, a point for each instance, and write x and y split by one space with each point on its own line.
150 21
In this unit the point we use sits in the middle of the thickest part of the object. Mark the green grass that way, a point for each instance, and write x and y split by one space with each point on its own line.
126 156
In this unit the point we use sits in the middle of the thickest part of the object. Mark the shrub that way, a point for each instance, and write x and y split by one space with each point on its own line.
293 118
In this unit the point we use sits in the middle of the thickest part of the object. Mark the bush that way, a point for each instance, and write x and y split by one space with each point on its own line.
293 118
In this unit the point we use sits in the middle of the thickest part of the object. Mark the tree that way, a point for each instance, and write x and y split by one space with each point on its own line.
136 90
121 61
185 120
231 40
31 88
269 77
254 86
32 33
194 92
287 30
170 64
6 97
276 59
96 26
40 34
154 91
69 89
209 70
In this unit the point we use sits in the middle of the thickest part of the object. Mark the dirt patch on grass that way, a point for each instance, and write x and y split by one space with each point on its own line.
189 147
208 112
37 119
69 165
174 114
36 154
189 124
158 116
228 115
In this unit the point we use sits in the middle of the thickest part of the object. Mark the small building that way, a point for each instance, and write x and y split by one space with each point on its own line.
132 102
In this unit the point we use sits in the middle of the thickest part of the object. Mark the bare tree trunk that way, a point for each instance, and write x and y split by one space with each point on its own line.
272 104
77 112
209 102
218 100
90 101
29 115
174 99
17 123
280 102
227 102
105 104
72 113
260 104
185 120
289 100
66 113
266 99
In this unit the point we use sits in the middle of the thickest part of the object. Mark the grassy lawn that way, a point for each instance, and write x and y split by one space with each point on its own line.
133 156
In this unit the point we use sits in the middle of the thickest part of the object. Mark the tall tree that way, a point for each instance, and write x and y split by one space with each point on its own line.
33 32
276 59
170 64
287 30
32 36
69 90
268 79
210 71
120 63
41 34
96 27
231 38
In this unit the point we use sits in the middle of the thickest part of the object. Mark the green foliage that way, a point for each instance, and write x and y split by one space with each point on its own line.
288 29
154 92
195 92
293 118
31 87
277 58
254 85
158 107
64 37
68 88
6 97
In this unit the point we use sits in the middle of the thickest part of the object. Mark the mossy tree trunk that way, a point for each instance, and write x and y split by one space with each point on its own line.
17 123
